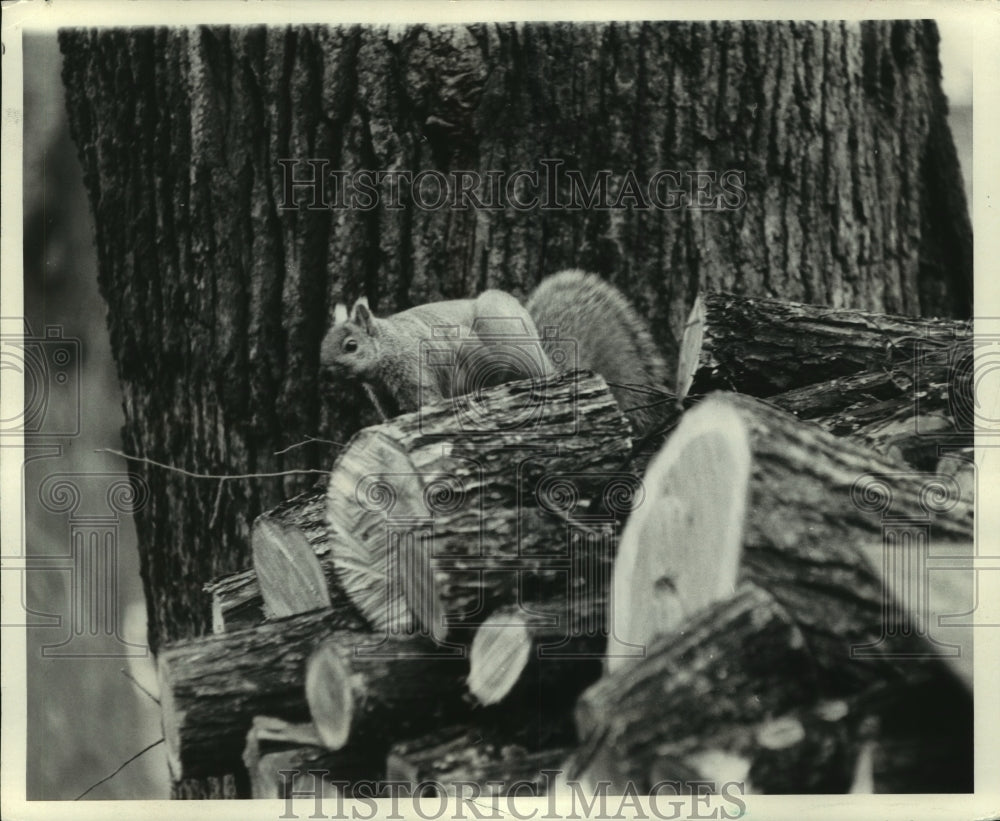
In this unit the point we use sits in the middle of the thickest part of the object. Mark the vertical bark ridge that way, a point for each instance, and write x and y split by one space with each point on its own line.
218 297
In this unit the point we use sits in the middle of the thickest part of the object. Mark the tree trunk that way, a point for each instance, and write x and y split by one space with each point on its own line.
219 296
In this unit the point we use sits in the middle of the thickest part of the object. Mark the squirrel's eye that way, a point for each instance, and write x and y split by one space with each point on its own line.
350 345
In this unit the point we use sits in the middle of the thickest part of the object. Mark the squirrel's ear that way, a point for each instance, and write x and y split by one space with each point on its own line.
340 314
362 314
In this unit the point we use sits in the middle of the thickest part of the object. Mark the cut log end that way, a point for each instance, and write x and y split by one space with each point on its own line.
290 576
372 489
218 616
171 722
499 653
681 548
691 345
422 479
328 693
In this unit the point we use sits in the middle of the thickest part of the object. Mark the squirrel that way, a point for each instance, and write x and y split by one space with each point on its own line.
468 345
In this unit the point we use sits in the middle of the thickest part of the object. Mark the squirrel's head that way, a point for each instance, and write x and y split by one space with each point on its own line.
351 345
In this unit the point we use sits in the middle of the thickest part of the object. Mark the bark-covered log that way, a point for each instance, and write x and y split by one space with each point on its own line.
498 763
552 442
737 663
304 512
393 690
477 562
283 759
236 598
236 601
225 293
219 297
554 646
765 346
741 695
829 401
440 513
212 687
907 409
841 538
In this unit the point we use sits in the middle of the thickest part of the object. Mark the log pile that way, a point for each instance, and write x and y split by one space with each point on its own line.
485 592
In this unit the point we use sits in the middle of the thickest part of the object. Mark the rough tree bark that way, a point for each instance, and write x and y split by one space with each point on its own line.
218 298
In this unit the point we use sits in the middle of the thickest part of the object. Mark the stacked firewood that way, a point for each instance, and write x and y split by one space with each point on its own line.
504 587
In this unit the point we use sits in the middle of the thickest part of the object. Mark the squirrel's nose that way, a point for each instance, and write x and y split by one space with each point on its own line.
327 377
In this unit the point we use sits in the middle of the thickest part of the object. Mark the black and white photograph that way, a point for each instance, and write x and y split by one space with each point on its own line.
479 410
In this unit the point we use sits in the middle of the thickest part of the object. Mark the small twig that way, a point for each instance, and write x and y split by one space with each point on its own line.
122 767
648 405
135 681
308 441
647 390
216 506
218 476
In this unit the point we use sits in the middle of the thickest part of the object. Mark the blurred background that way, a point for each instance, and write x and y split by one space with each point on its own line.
85 716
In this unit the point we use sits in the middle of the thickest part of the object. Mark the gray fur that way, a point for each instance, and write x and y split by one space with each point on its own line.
610 338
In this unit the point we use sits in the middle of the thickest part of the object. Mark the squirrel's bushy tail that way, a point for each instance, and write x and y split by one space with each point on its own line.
610 339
